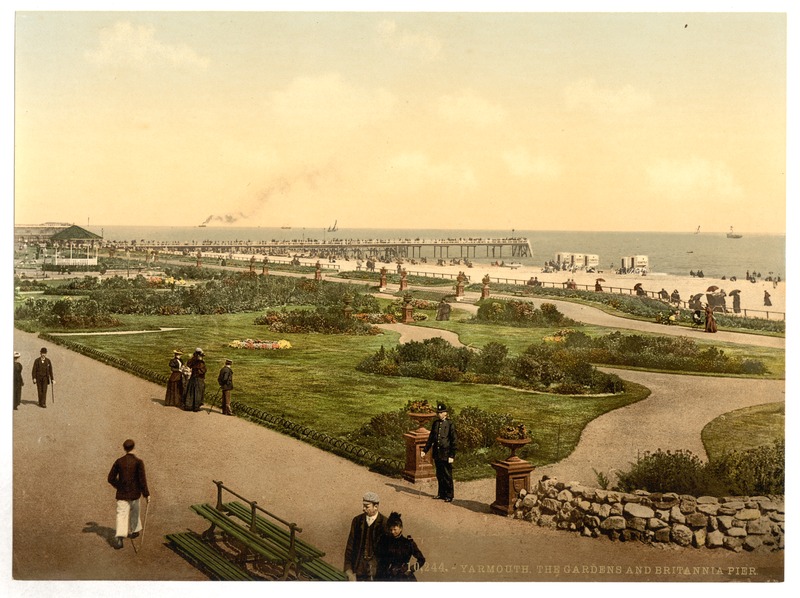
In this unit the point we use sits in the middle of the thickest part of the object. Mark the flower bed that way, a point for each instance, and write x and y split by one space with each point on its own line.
250 343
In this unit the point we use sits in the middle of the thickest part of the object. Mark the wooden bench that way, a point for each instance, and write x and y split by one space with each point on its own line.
309 558
192 547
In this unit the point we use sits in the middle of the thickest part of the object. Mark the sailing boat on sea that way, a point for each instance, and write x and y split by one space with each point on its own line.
733 235
333 229
697 232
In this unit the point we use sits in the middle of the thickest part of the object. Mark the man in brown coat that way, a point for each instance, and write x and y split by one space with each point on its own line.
128 477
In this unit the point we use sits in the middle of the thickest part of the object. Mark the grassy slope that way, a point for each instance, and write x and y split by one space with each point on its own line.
744 429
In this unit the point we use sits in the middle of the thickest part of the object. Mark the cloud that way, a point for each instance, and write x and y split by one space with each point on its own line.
522 163
421 45
694 178
470 108
129 45
585 94
417 169
327 101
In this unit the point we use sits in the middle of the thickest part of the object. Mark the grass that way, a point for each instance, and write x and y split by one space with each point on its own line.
745 429
315 382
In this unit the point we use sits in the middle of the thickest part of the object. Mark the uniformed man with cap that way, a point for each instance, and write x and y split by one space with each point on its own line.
42 376
366 531
442 440
225 380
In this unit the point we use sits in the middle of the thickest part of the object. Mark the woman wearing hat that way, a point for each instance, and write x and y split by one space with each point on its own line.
196 387
174 396
18 382
394 553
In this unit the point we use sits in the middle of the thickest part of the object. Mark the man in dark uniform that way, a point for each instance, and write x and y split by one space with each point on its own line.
18 383
42 376
442 440
225 380
366 530
128 477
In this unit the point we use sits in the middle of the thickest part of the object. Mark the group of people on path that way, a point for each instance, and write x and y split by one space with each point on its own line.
186 385
42 374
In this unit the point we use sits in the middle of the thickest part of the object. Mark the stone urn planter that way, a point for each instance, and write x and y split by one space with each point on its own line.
422 418
514 444
512 475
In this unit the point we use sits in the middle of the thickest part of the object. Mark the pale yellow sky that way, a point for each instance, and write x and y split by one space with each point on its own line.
533 121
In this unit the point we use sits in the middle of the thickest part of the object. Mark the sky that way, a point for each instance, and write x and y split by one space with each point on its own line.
473 120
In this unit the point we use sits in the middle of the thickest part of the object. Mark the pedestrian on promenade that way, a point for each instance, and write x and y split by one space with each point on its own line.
366 532
18 382
174 396
127 475
196 387
442 440
225 380
395 552
711 323
42 376
767 301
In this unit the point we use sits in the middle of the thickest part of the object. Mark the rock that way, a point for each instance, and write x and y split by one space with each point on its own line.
707 500
777 517
708 508
564 496
725 522
699 539
550 505
630 534
734 544
616 509
637 523
613 523
605 511
676 515
748 514
662 535
768 506
529 501
730 499
734 504
758 527
696 520
656 523
681 535
586 532
585 506
688 504
546 521
752 542
724 510
635 510
591 522
715 539
737 532
713 524
523 493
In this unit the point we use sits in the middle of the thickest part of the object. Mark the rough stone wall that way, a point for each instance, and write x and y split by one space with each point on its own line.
734 522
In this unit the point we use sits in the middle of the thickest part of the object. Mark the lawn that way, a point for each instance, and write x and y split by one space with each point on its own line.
745 429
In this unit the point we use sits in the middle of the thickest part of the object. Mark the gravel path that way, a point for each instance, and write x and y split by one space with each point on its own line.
63 508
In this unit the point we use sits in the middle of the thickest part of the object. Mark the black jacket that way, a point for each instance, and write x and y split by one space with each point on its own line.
442 439
356 541
225 378
128 477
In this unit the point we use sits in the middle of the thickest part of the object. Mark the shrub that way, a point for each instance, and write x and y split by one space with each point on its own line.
665 471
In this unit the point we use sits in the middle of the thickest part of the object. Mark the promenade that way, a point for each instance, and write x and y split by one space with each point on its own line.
63 508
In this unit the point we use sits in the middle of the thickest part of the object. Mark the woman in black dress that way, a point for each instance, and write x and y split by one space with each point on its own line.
394 552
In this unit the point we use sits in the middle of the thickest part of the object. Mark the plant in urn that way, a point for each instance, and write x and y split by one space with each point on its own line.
513 436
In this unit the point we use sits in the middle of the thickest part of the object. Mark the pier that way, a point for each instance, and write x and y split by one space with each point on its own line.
386 249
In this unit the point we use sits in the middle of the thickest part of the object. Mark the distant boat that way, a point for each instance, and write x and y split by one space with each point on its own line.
733 235
202 225
286 227
333 229
697 232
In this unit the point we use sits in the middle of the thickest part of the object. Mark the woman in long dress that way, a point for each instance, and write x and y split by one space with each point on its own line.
394 552
174 396
196 387
711 323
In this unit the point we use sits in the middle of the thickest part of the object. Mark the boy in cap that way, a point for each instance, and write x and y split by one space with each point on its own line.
225 380
128 477
442 440
42 376
366 531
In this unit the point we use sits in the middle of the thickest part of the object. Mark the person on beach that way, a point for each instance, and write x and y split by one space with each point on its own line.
18 382
225 380
42 376
442 440
737 303
711 323
366 532
395 552
174 396
127 475
196 387
767 301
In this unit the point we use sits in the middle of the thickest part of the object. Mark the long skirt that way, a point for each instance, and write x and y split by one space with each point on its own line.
193 398
174 396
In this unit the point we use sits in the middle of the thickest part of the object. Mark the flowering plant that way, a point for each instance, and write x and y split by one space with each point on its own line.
419 406
250 343
516 431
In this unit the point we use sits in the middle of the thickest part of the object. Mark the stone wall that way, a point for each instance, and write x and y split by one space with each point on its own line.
736 522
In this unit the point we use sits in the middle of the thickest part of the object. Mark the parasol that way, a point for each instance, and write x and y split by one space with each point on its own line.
600 280
711 289
734 291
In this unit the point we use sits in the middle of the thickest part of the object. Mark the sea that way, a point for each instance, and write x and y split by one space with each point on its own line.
672 253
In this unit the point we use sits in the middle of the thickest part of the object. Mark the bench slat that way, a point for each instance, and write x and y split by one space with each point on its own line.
192 547
270 551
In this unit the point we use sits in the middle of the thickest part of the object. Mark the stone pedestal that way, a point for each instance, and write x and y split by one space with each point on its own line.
485 292
403 281
318 272
418 468
513 475
408 313
459 291
382 284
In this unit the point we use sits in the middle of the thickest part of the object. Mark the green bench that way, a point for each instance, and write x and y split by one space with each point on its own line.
192 547
309 558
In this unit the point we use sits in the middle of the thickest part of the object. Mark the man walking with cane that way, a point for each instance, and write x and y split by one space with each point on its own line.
127 475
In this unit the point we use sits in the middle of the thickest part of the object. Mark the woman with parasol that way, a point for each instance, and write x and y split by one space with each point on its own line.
737 301
598 288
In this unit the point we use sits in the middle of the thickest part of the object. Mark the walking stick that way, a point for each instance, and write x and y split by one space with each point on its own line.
213 401
144 523
53 392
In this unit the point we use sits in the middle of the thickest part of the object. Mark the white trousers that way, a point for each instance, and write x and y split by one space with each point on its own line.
128 520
